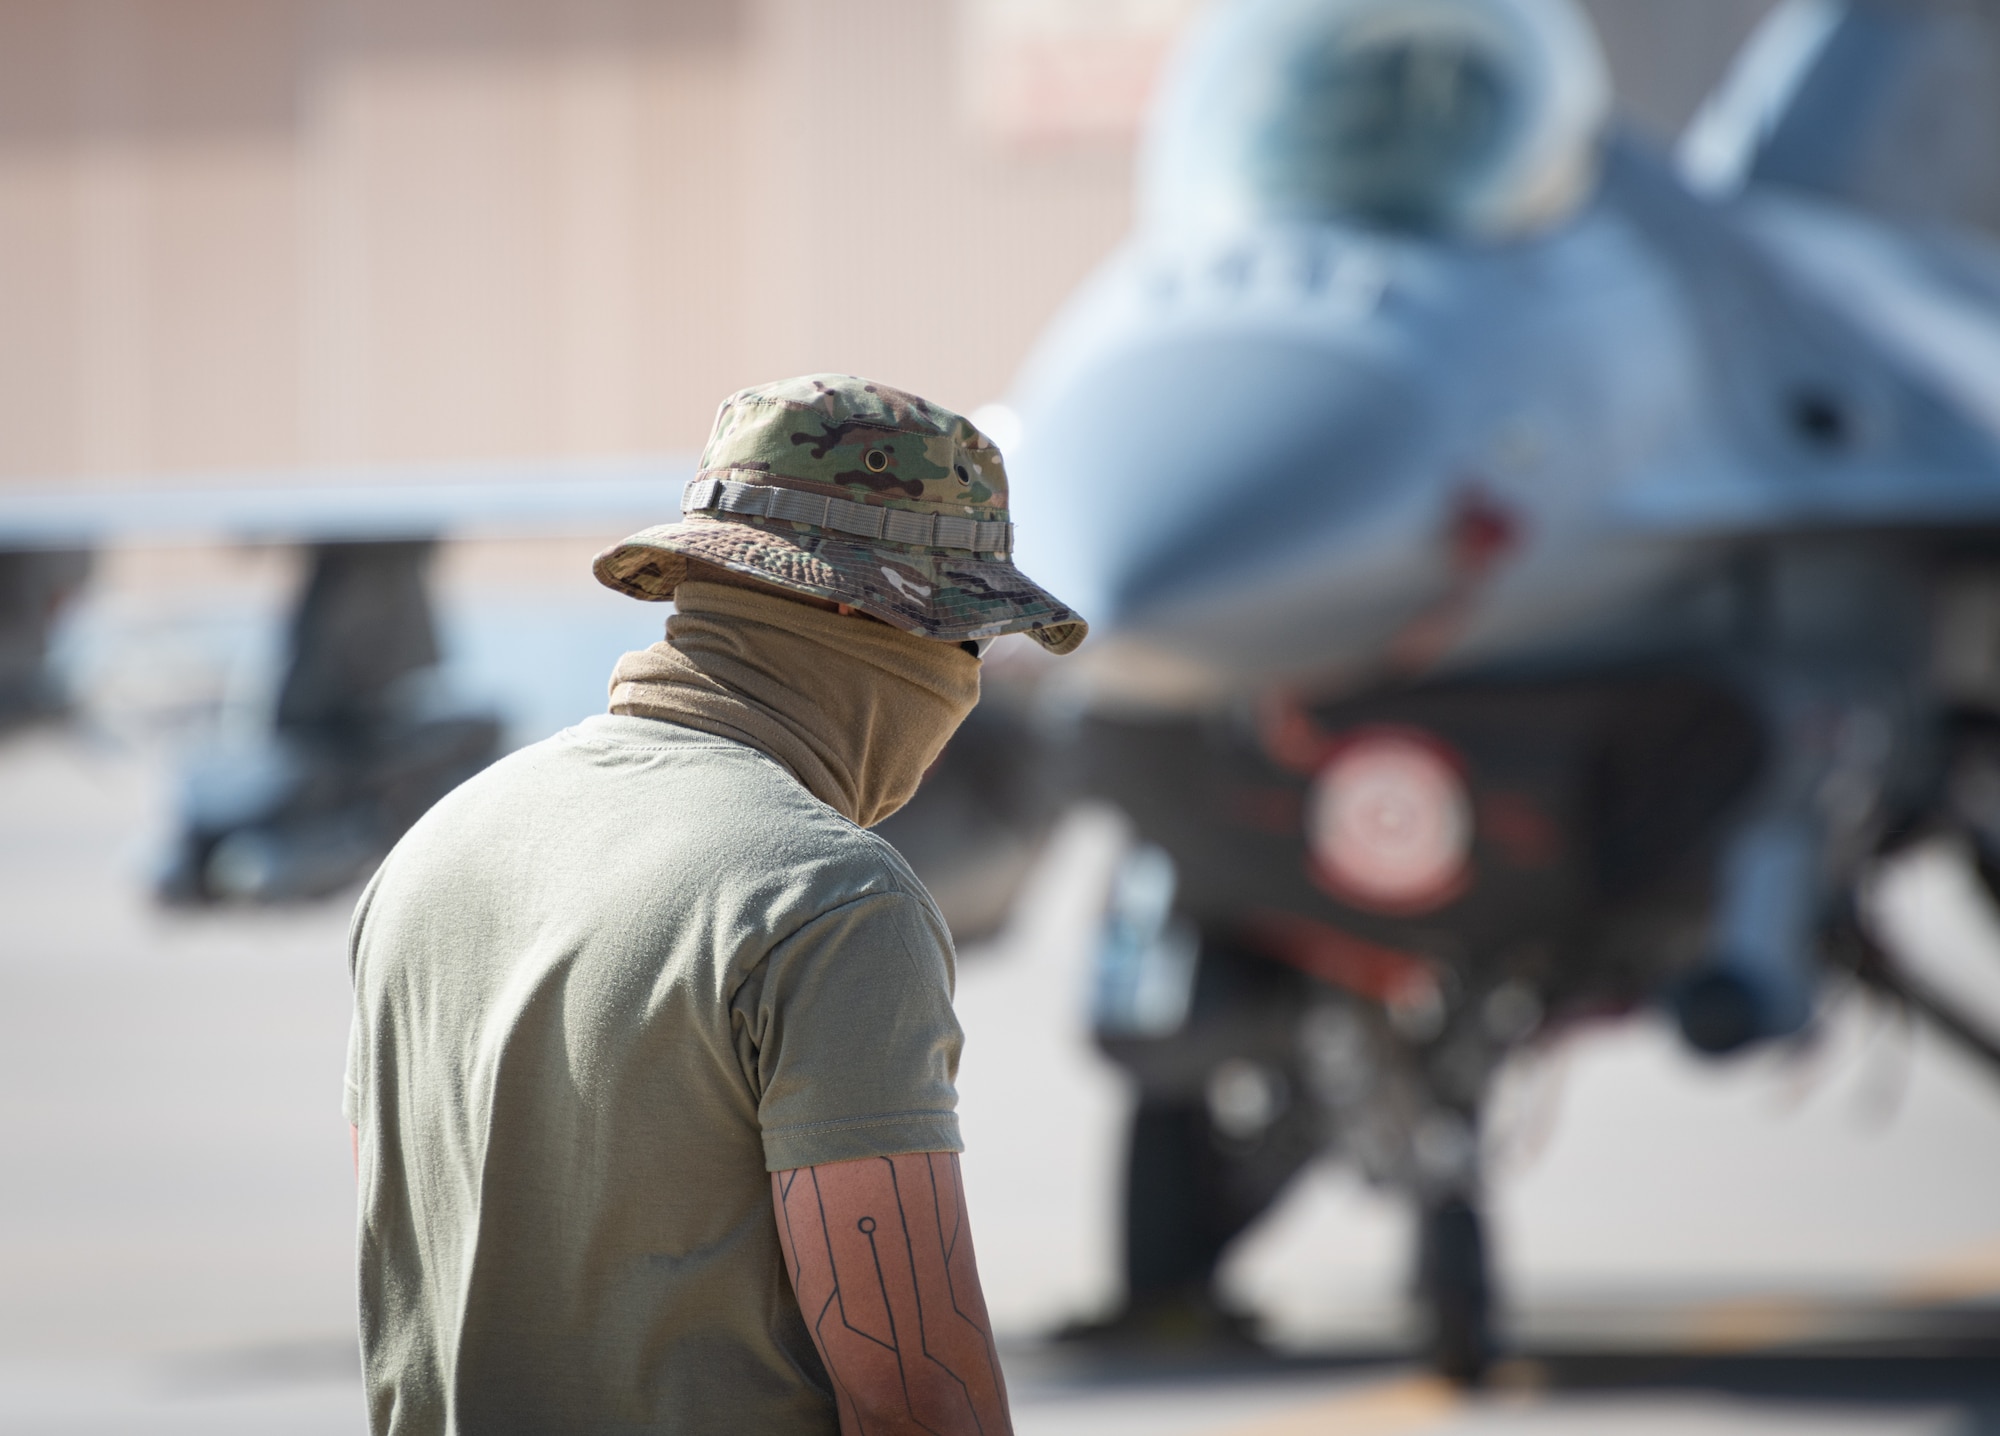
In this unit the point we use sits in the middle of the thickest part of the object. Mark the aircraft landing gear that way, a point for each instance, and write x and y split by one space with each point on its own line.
1191 1190
1454 1289
352 754
1186 1200
34 585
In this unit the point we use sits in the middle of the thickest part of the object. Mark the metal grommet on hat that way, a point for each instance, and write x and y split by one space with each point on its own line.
838 488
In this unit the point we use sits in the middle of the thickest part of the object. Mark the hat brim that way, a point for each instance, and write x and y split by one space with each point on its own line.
945 594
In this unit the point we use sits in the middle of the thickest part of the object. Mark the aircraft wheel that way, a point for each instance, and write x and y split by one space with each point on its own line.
1454 1290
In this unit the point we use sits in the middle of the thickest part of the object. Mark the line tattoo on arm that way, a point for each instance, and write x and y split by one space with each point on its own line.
880 1256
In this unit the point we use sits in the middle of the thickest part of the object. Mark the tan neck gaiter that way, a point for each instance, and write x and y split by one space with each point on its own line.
857 710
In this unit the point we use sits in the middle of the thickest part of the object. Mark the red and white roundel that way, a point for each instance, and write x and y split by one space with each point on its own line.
1390 823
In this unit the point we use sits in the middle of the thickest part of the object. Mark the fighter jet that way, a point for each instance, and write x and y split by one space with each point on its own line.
1533 576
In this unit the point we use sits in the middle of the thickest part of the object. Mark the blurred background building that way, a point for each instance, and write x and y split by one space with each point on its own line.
271 234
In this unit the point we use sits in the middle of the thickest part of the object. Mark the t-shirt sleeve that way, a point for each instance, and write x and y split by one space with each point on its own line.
852 1045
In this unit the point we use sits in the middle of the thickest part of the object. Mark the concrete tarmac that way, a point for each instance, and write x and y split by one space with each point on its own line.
1803 1241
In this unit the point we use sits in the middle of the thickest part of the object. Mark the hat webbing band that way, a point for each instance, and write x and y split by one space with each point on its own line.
925 530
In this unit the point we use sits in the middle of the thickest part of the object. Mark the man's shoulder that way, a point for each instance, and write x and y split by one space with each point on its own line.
709 811
612 762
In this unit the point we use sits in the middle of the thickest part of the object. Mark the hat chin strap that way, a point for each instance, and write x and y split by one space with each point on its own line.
709 495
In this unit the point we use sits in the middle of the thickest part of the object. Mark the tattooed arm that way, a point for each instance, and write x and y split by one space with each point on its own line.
881 1258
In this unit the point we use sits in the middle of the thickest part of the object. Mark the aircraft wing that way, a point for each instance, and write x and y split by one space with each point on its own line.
353 504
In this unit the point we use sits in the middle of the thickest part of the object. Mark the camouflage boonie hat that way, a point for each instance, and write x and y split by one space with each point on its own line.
841 489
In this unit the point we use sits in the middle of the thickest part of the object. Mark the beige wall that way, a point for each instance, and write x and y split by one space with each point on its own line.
250 233
276 232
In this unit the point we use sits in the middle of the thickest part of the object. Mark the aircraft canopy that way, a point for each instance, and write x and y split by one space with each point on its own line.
1464 118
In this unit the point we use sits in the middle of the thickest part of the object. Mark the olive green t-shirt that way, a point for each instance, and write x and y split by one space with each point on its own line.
600 990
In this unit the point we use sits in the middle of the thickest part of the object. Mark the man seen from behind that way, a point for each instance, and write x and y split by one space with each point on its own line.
652 1065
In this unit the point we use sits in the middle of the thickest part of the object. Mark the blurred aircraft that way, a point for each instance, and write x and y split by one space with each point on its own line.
359 737
1533 577
358 741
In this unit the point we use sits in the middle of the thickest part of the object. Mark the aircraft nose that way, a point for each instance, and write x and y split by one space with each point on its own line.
1207 472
